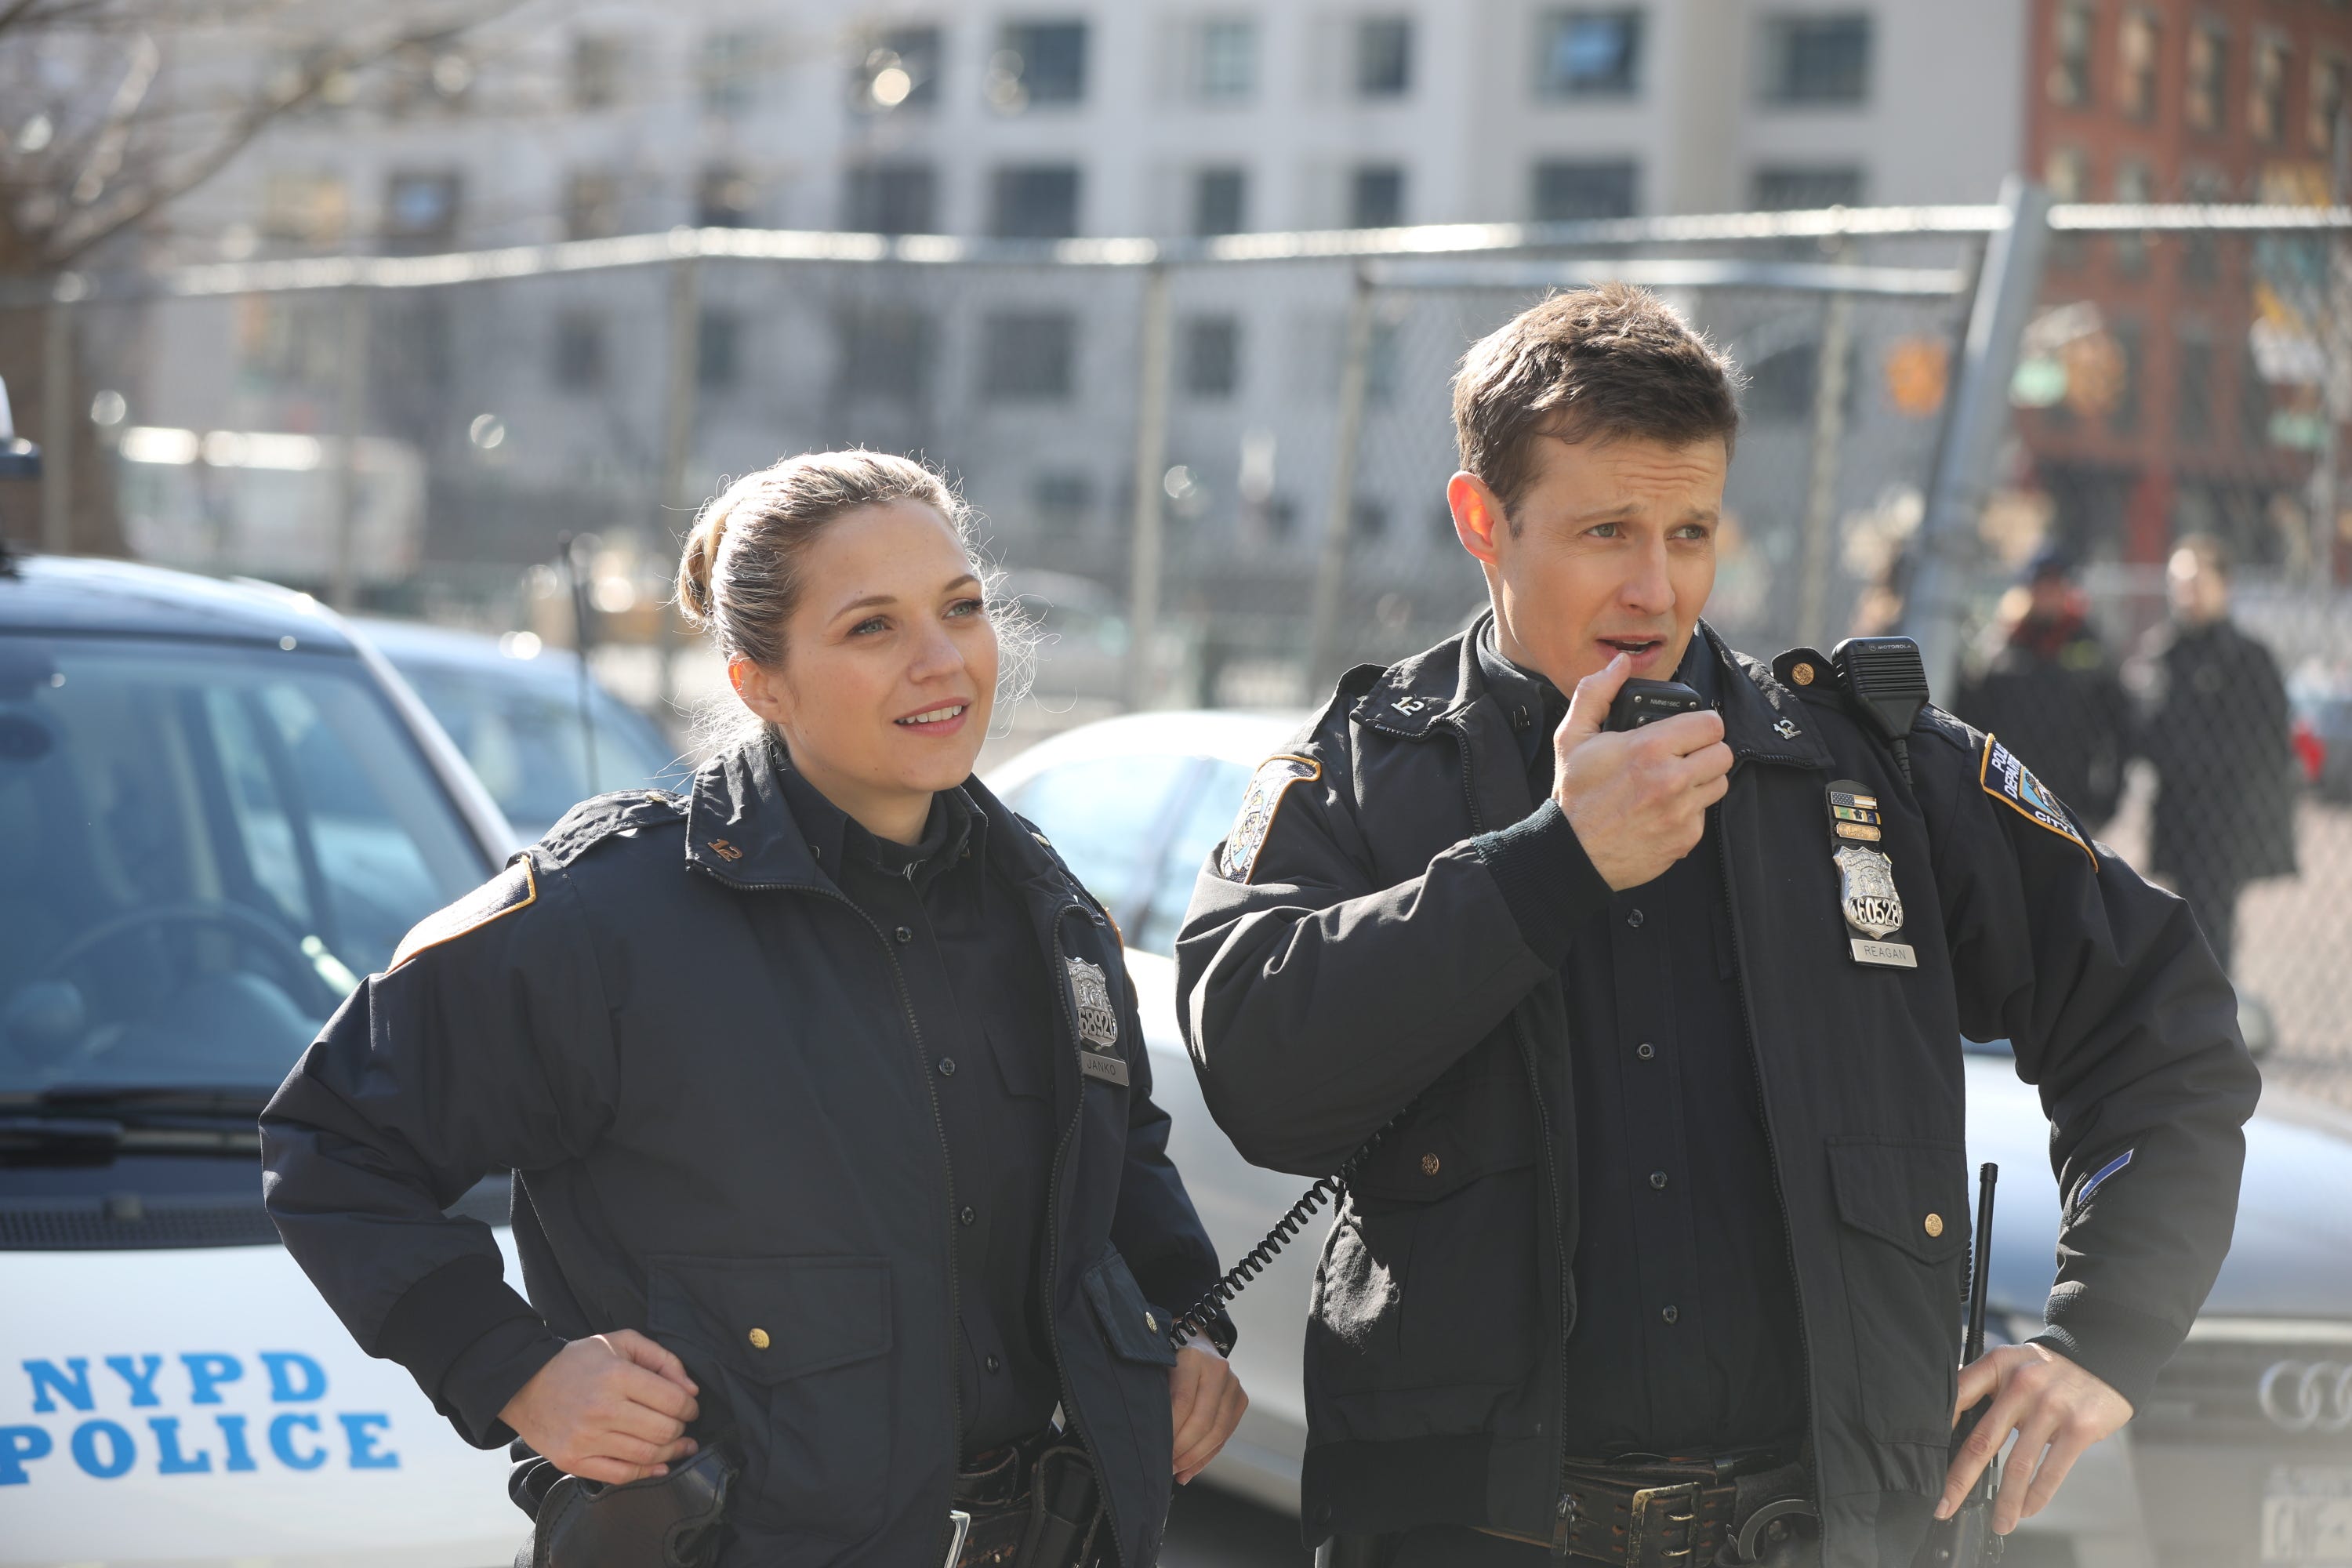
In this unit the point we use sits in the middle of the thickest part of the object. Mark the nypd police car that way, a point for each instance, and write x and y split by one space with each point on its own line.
217 810
2243 1456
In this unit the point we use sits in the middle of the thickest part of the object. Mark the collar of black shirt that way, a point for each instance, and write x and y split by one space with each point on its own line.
834 835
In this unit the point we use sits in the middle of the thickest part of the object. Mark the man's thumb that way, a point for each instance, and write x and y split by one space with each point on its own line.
1588 707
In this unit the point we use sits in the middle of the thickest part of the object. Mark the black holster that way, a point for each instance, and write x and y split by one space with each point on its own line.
662 1521
1066 1513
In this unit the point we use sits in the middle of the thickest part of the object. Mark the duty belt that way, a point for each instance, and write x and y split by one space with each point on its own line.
995 1489
1684 1513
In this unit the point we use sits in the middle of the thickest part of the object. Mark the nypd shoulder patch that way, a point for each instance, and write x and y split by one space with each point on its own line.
1238 857
2011 782
516 887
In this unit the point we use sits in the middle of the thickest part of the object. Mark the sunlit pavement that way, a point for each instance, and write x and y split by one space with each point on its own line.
1209 1529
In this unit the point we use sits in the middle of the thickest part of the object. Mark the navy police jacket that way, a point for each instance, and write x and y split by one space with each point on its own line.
661 1018
1351 951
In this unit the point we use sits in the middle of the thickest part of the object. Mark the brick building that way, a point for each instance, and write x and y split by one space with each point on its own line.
2184 403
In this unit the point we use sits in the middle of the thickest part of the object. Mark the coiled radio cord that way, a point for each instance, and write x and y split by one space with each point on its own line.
1286 1230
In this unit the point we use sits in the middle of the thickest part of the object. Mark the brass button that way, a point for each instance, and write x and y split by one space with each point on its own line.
1152 1322
1430 1164
1802 674
1935 1224
758 1338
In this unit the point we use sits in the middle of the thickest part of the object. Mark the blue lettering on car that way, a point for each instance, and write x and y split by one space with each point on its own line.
195 1442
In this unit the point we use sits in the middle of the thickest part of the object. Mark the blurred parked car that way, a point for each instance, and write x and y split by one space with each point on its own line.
514 709
1082 632
217 810
2244 1454
2320 701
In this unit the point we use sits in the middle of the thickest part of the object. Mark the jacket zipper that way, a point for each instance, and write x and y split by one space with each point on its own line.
947 1164
1054 1229
1551 1161
1772 1142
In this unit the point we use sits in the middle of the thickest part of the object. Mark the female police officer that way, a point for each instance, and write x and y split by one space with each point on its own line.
824 1088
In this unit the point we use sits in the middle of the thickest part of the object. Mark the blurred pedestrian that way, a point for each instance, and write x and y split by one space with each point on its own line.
791 1273
2217 733
2050 691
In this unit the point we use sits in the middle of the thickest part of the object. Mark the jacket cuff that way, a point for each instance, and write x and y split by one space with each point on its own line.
444 1314
2123 1349
1545 876
490 1372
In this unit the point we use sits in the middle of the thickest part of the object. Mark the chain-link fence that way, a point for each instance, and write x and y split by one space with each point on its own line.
1218 469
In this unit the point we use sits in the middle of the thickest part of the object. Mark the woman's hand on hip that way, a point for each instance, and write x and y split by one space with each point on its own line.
1208 1403
613 1407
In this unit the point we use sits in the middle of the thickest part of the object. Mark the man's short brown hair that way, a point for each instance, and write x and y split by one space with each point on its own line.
1588 364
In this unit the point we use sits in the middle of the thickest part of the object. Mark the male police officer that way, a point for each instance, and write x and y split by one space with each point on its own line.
1661 1255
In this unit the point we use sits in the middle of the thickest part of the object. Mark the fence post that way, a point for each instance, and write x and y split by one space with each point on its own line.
1829 440
1340 502
2008 288
2336 385
58 419
342 584
1146 541
684 372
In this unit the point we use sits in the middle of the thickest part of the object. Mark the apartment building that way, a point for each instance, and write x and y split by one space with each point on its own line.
2171 419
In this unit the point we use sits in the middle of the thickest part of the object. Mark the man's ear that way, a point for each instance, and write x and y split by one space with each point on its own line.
1477 516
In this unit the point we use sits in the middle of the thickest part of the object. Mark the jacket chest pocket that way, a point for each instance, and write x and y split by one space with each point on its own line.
796 1352
1902 1239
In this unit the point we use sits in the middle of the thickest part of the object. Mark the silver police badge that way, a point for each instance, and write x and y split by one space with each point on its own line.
1872 906
1098 1018
1097 1022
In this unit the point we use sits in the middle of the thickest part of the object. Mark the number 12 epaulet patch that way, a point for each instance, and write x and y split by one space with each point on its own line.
2011 783
1272 780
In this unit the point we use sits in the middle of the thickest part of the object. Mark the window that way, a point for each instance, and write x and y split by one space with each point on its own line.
1589 53
421 205
1220 201
2192 415
2206 104
579 350
2123 419
1107 816
1797 188
2067 172
900 69
596 69
1038 62
1376 197
592 205
1227 65
722 197
312 209
2136 47
718 348
728 71
2330 81
885 352
2266 103
1213 356
1028 355
1033 201
890 198
2201 256
1383 57
2135 186
1063 502
2071 26
270 818
1576 191
1822 59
